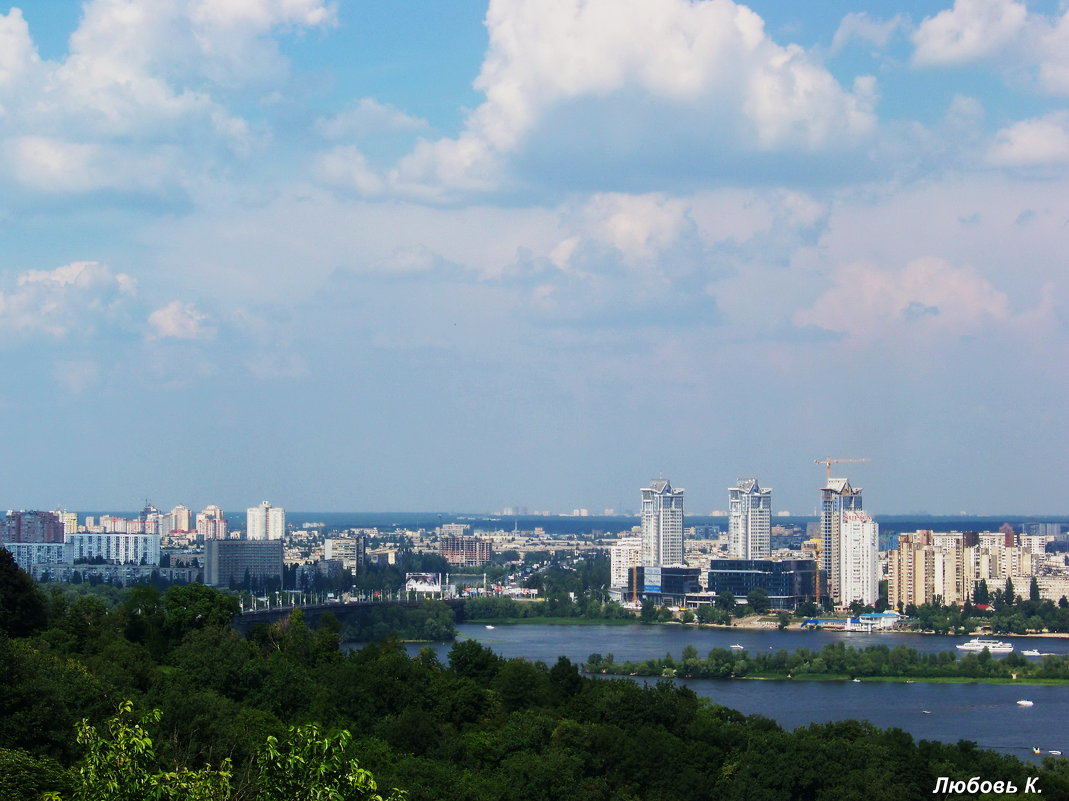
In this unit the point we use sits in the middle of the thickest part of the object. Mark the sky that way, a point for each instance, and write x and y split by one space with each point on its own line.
458 256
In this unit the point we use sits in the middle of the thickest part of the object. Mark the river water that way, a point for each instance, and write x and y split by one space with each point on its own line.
985 713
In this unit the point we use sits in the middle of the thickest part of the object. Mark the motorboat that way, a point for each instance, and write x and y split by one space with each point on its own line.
1036 750
1031 652
856 681
736 647
979 644
1055 753
926 711
1024 702
489 628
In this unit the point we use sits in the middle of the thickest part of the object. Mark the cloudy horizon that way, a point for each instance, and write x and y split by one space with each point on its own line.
466 257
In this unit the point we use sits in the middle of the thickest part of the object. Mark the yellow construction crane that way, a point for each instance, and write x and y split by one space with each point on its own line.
827 461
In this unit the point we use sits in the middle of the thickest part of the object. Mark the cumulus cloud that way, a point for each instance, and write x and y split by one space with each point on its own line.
705 73
77 297
1035 142
929 296
971 30
178 320
140 82
1001 31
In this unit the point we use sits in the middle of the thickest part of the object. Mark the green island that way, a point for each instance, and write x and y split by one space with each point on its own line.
146 693
837 661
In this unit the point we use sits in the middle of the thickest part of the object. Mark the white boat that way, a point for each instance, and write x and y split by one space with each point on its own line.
736 647
1031 652
979 644
489 628
1024 702
856 681
1055 753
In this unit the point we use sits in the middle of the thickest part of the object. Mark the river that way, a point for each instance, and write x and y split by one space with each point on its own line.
985 713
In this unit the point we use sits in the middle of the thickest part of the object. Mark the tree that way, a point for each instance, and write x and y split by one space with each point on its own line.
121 766
1033 590
1008 595
311 766
725 600
758 599
22 606
980 593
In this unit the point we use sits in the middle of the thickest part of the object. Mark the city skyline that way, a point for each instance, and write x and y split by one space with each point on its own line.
464 256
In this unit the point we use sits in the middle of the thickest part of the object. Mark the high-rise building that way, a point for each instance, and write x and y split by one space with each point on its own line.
265 522
31 526
749 520
624 557
859 559
838 498
211 525
181 519
662 523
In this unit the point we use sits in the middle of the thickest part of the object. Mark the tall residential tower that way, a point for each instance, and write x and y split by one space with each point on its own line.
749 520
662 523
849 555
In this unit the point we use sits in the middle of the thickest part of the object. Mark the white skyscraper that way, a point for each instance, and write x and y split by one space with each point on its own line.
662 523
750 520
841 516
859 559
265 522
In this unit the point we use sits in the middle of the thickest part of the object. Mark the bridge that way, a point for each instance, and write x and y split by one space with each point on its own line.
313 611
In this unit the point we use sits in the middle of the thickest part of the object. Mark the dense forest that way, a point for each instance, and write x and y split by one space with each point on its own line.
177 704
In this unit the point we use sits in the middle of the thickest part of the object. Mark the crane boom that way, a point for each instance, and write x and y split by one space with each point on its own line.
827 461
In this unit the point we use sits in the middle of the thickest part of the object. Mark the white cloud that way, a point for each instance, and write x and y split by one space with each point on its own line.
368 116
1034 142
141 81
346 167
178 320
77 297
971 30
928 296
859 26
1002 31
704 72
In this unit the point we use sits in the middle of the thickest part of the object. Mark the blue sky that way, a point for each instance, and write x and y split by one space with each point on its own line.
459 256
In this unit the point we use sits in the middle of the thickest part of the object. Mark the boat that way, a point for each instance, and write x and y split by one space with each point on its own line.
856 681
1024 702
1031 652
736 647
489 628
1036 750
926 712
1055 753
979 644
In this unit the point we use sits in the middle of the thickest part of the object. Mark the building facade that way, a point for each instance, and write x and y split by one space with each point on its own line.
31 526
749 520
859 559
662 523
465 551
227 563
211 524
837 499
265 522
624 557
788 582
